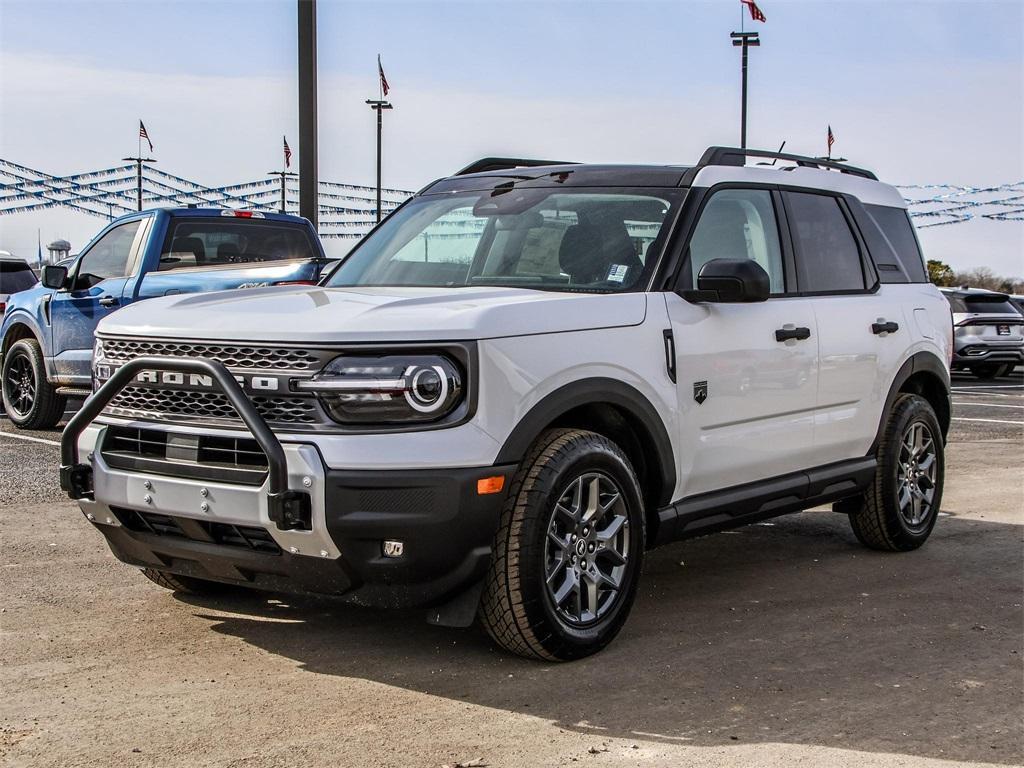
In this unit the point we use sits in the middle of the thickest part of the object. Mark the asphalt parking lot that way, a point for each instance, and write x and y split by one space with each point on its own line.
780 643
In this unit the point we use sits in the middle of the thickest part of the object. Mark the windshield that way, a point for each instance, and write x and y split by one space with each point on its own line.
209 242
576 240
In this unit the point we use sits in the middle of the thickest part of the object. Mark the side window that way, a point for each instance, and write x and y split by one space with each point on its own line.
895 225
739 224
108 256
827 257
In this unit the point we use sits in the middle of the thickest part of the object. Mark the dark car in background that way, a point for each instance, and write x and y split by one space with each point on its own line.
988 332
15 275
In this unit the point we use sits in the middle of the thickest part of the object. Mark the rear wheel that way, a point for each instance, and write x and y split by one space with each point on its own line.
29 399
188 585
900 509
568 553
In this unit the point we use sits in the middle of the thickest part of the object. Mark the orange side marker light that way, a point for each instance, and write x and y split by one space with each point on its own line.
486 485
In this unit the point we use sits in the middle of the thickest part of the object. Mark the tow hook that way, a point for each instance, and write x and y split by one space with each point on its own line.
291 510
76 480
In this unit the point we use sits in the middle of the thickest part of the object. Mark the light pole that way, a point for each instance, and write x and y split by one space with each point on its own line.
378 106
309 187
744 40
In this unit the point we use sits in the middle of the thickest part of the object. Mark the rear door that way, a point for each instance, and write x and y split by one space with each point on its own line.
863 331
96 289
746 397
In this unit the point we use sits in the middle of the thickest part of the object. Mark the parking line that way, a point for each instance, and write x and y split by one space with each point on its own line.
962 393
990 421
31 439
968 404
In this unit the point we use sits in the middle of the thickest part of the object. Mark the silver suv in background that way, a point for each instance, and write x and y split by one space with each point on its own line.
988 332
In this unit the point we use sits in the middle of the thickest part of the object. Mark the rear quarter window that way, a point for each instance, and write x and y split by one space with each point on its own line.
895 225
16 277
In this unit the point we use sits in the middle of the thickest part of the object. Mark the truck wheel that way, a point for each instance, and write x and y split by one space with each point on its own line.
188 585
898 512
29 399
569 549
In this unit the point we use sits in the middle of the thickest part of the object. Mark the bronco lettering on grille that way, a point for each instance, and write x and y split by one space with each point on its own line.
202 381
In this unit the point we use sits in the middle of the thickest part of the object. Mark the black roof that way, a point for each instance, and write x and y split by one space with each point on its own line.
567 175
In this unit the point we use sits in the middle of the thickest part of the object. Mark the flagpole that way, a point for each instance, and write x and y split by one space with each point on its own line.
379 105
744 40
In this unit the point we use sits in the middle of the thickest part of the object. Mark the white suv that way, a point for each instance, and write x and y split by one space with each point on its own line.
523 379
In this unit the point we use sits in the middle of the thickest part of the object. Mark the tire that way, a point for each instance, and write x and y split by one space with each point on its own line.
882 520
188 585
546 535
988 371
30 401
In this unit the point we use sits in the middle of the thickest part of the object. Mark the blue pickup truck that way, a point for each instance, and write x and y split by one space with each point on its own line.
46 338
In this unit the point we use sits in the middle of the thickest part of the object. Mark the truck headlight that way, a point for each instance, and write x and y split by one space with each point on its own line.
101 368
387 389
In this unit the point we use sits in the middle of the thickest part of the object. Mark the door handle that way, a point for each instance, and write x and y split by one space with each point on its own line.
108 301
883 326
785 334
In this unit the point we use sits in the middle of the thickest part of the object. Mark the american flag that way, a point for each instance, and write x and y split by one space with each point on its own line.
144 135
755 12
831 141
384 88
287 153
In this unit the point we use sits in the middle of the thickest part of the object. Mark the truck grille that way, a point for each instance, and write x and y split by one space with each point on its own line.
139 401
233 356
172 403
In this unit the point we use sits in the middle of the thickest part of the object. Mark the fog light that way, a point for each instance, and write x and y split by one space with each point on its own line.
393 548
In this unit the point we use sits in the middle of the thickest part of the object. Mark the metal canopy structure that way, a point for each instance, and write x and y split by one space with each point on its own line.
348 210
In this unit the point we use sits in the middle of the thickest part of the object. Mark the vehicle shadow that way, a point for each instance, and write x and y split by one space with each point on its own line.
784 632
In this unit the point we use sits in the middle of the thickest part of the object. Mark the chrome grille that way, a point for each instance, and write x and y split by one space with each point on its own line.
132 401
231 355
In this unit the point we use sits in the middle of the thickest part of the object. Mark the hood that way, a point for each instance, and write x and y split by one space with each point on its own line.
292 314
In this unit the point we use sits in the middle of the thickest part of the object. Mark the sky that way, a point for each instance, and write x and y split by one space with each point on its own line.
921 92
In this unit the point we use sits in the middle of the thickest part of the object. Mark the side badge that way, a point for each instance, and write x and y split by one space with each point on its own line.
700 391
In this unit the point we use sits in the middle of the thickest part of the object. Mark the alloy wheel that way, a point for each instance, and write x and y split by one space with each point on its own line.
916 475
20 384
587 549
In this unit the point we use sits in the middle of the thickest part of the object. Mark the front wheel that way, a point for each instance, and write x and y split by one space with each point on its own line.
569 549
30 401
899 511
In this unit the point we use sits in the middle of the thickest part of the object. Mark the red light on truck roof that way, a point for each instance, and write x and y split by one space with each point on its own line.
243 214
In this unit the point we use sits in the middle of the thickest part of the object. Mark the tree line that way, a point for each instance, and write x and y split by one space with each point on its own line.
944 275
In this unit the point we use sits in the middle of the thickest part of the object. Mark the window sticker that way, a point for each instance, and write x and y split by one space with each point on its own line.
617 273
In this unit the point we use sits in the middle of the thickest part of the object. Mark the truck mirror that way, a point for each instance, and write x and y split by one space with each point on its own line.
54 277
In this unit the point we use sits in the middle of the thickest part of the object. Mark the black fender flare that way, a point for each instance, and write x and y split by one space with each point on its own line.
920 362
596 391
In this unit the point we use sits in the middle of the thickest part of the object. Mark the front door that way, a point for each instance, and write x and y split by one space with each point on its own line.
746 394
95 290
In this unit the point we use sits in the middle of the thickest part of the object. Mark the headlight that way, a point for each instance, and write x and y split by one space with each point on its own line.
100 367
390 389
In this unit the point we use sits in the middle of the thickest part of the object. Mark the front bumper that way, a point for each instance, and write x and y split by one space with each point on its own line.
226 534
171 512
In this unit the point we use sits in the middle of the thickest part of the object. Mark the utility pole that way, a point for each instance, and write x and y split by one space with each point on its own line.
138 173
284 175
744 40
309 186
379 105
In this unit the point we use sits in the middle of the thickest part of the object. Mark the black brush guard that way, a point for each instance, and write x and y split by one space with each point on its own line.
289 509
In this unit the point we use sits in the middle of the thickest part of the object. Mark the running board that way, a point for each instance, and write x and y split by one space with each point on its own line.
75 392
748 503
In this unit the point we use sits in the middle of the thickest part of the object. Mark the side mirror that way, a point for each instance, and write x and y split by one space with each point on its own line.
54 277
731 281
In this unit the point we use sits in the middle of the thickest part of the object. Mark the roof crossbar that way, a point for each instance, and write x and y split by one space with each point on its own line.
738 157
505 163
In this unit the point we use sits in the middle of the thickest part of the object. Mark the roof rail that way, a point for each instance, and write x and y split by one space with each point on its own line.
505 163
738 157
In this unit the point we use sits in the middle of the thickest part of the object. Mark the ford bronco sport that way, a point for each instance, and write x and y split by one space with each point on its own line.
523 379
